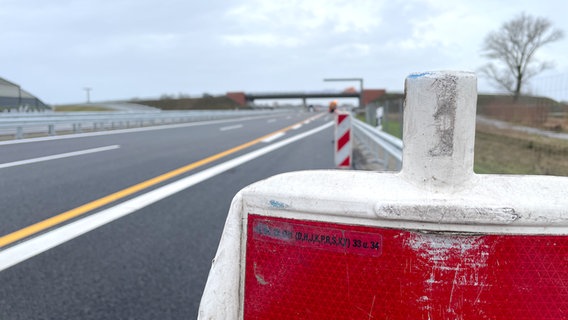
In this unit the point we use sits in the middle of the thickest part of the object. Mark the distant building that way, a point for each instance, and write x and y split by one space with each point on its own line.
13 97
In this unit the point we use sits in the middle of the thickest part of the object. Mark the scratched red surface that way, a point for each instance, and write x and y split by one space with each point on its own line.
315 270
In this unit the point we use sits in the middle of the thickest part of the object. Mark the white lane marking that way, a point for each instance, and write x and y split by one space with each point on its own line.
237 126
57 156
273 137
272 120
34 246
296 127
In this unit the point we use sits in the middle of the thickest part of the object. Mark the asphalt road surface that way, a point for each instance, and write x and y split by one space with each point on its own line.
124 226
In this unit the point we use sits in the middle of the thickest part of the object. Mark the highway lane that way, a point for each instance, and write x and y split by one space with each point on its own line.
150 264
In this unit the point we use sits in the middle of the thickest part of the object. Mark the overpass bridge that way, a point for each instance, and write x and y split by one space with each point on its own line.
14 98
367 96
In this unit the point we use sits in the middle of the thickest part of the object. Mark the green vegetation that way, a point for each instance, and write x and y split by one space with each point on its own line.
393 128
80 108
508 152
390 96
485 99
207 102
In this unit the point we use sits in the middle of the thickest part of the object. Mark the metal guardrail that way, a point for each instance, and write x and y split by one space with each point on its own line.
384 149
51 123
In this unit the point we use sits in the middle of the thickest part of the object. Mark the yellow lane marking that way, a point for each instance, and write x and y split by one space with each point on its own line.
65 216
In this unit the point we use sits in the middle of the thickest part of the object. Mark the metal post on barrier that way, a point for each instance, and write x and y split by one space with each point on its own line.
19 132
434 241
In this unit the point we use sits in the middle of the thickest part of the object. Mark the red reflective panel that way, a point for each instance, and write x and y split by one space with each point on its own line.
315 270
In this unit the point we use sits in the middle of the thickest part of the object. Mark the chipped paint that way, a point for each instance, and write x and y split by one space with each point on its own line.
445 115
455 261
444 211
418 75
436 248
278 205
258 276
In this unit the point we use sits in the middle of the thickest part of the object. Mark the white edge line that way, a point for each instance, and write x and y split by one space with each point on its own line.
237 126
296 127
32 247
57 156
273 137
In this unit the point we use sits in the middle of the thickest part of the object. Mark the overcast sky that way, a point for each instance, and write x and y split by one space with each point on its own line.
142 48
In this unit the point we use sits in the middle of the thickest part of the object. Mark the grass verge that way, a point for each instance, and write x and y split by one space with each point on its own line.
393 128
509 152
80 108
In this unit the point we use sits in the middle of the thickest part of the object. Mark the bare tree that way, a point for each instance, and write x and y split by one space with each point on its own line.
513 49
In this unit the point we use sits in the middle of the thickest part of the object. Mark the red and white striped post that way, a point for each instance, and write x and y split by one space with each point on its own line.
343 145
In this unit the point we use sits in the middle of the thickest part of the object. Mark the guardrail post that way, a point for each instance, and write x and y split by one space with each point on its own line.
371 114
51 130
19 132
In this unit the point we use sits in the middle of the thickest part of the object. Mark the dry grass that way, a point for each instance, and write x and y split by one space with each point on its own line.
510 152
81 108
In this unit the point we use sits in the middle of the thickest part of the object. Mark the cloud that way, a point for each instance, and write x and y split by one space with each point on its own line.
261 39
341 15
296 22
352 49
198 46
441 34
